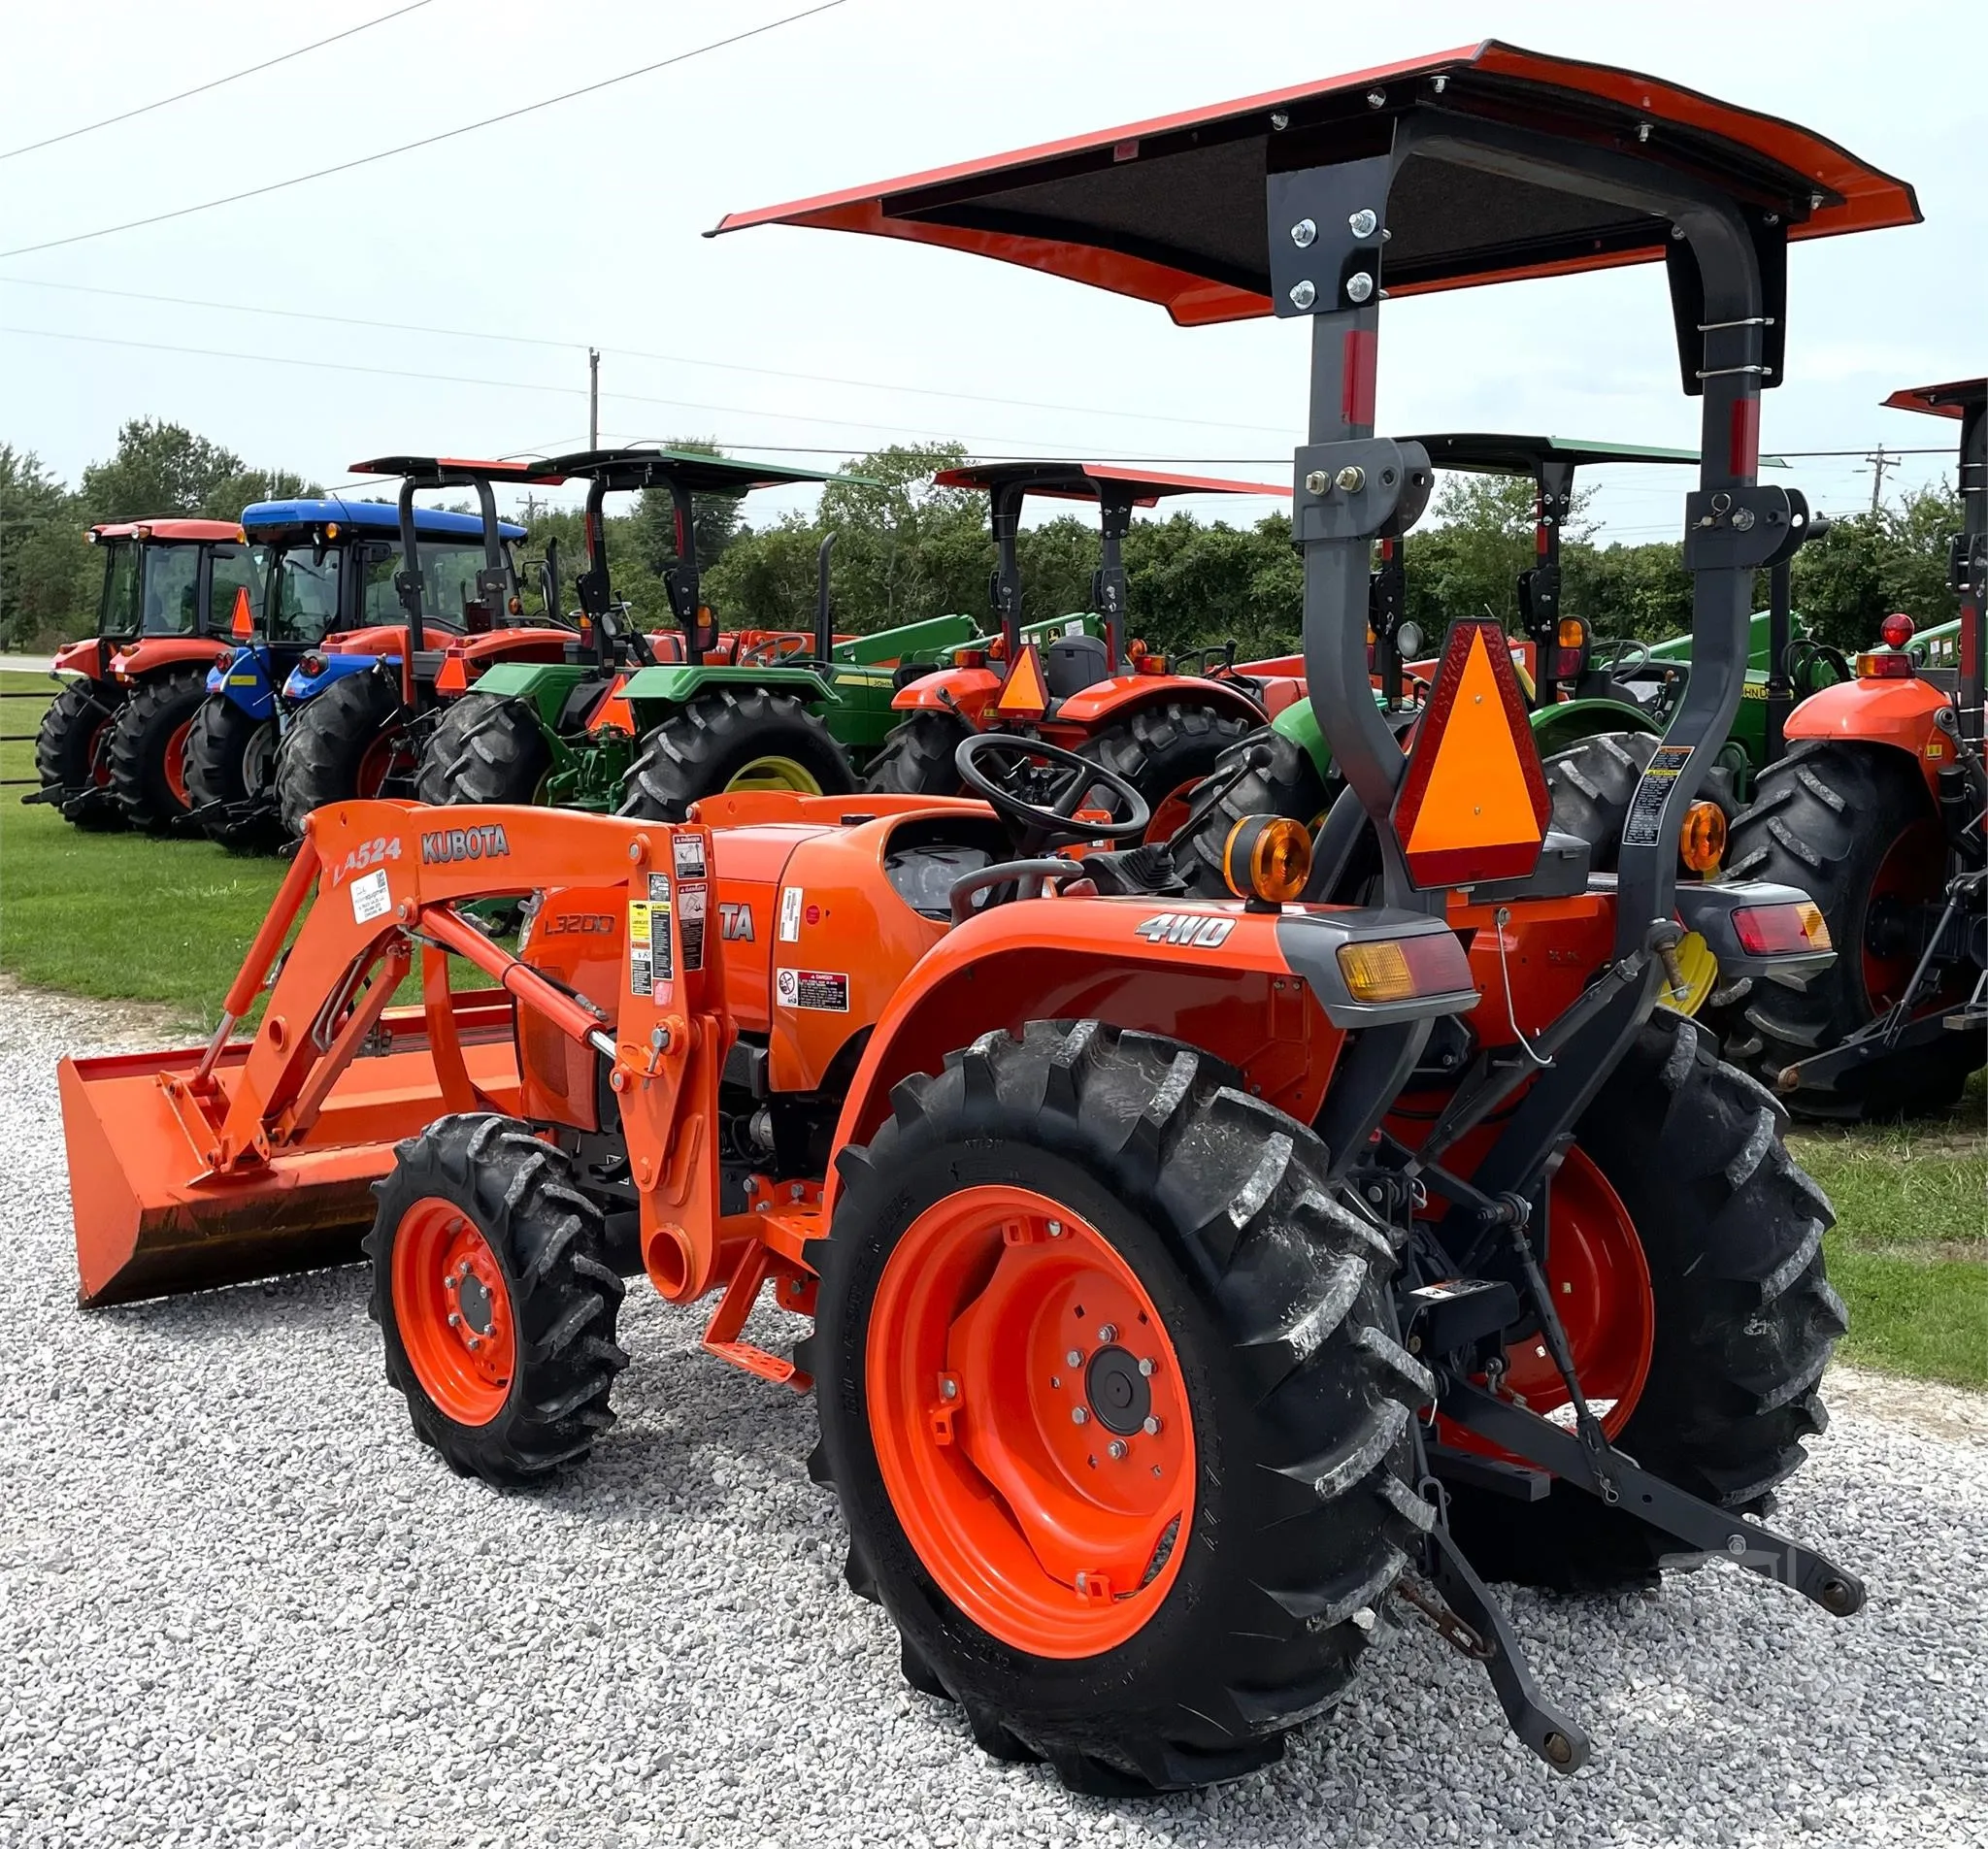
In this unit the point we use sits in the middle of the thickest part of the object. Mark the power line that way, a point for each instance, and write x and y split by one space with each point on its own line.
200 89
428 141
636 352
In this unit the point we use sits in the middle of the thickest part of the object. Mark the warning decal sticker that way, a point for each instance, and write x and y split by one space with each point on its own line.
687 852
825 990
791 915
1646 807
641 958
690 911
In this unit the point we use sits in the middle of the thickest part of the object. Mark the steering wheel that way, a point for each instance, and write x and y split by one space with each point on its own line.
1800 665
1039 787
1619 655
776 647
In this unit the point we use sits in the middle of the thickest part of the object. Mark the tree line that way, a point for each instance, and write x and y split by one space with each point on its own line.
907 548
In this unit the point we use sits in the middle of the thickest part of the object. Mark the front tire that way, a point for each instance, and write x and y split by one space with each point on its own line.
488 748
348 741
1745 1319
73 754
493 1300
1127 1178
733 739
231 775
147 749
1852 825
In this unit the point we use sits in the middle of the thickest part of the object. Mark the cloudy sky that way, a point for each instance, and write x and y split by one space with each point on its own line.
520 245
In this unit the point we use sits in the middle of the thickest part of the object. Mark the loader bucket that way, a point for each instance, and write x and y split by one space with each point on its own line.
150 1222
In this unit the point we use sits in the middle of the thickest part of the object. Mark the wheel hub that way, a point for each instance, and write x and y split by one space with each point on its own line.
452 1311
1116 1392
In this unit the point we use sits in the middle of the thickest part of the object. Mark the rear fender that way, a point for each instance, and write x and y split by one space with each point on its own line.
651 690
966 691
539 646
545 686
161 654
1709 911
1299 723
302 686
1567 722
1900 714
1106 702
243 681
1261 991
86 657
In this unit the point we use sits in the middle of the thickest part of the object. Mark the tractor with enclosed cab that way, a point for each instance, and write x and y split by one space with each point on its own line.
1195 1285
110 750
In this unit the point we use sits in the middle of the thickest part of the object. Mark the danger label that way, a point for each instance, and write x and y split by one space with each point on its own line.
691 903
688 854
369 898
827 990
1646 807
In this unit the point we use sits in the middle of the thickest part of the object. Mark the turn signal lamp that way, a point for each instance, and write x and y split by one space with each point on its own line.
1792 930
1897 629
1151 664
1704 839
331 529
1573 642
1400 969
971 658
1267 859
1884 664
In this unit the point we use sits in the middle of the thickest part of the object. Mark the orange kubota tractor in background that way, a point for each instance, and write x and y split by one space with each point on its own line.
1188 1278
110 750
1163 724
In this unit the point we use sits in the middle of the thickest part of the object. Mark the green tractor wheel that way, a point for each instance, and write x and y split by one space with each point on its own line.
733 739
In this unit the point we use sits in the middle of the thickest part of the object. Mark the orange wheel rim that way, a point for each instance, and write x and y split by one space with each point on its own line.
452 1309
1912 871
176 765
100 756
385 757
1050 1498
1601 1285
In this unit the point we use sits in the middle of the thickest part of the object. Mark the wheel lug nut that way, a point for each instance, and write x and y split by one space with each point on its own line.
1109 1332
1079 1415
475 1341
1117 1448
1074 1358
1145 1365
456 1319
1055 1229
1151 1428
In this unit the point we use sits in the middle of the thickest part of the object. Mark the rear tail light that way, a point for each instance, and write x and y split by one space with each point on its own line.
1151 664
1882 664
311 666
1791 930
1400 969
971 658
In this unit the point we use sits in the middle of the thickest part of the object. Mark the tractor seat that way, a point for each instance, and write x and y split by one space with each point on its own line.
1072 663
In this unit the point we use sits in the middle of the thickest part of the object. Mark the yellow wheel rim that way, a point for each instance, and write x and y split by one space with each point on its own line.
775 773
1700 968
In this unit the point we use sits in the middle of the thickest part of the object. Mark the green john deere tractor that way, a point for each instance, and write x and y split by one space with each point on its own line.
654 723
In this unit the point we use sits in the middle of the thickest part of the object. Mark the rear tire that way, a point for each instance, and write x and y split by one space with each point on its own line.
337 740
1746 1320
1289 785
1593 783
231 763
916 758
1825 818
72 753
488 748
1269 1293
1163 750
560 1299
715 743
147 749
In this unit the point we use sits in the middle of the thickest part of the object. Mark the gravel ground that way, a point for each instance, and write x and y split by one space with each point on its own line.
239 1604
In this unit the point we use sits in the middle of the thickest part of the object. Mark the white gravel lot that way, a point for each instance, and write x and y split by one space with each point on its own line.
239 1604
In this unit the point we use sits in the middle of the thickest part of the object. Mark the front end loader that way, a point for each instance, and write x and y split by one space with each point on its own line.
1195 1285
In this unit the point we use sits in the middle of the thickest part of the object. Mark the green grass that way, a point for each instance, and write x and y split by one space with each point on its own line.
117 916
1910 1252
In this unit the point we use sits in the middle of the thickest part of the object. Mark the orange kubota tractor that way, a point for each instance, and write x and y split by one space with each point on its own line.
1190 1279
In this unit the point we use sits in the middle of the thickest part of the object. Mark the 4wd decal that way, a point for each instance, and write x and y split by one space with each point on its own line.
443 844
1189 929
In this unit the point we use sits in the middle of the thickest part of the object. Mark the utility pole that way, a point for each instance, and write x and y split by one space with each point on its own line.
593 397
1880 463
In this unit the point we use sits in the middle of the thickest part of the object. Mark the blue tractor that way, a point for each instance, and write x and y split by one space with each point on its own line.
322 605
